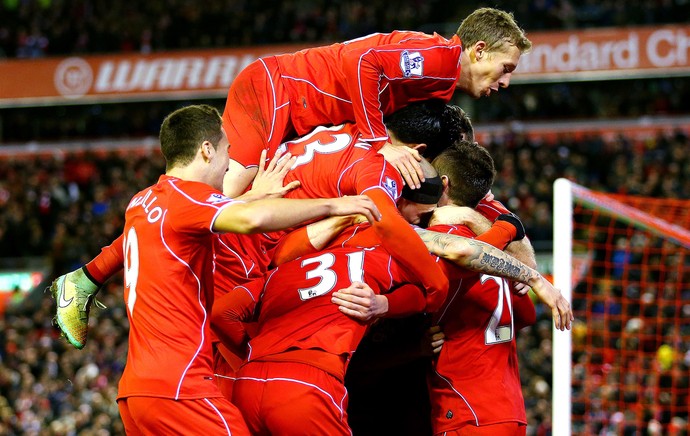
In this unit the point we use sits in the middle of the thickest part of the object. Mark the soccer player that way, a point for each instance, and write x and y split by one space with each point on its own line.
474 384
389 370
280 97
292 380
168 246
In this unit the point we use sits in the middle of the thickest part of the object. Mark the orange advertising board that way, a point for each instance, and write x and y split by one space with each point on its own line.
565 55
164 75
606 54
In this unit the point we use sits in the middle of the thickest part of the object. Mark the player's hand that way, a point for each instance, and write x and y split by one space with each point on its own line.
356 204
268 182
552 297
433 340
360 302
406 161
520 289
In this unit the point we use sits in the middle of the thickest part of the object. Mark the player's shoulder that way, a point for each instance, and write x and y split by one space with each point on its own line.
452 229
491 209
196 193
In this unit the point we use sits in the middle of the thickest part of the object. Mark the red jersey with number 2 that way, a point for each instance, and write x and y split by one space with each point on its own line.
475 379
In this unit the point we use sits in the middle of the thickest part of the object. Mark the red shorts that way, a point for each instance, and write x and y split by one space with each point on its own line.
502 429
225 366
257 112
291 398
207 416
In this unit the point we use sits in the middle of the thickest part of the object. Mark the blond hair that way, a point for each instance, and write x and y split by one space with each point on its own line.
495 27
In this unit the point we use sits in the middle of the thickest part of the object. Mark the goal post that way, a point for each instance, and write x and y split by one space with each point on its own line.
624 264
562 277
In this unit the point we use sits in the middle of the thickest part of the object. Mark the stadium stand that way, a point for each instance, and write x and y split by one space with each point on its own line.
52 27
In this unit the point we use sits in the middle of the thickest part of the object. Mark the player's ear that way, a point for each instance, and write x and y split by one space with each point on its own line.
478 51
207 150
446 184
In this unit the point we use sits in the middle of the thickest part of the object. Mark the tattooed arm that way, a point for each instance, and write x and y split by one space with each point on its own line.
483 258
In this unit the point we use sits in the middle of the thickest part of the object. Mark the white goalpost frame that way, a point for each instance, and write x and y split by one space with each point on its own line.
562 340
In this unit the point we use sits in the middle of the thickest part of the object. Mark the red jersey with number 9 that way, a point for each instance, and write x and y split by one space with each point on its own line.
168 249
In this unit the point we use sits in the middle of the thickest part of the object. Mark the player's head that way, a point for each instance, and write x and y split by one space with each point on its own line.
492 44
417 205
429 126
467 172
195 132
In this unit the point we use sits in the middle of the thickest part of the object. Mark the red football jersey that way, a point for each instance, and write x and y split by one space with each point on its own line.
333 162
295 300
363 79
475 378
491 209
239 259
168 248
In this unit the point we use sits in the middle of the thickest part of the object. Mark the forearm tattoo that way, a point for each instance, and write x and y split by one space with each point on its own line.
476 256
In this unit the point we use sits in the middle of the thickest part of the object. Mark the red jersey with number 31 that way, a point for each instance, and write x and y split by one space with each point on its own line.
296 311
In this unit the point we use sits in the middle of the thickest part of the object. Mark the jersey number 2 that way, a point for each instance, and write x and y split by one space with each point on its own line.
496 332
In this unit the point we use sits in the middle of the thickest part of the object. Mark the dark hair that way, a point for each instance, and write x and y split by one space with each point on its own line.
185 129
470 170
430 122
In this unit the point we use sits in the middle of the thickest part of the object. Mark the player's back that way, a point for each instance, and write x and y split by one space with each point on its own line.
331 162
479 357
324 64
296 309
378 72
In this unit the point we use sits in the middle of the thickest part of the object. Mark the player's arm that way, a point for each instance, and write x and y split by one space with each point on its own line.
506 232
481 257
107 263
231 311
311 238
363 69
281 213
401 241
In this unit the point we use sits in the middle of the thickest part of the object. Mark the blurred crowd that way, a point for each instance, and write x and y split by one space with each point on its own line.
67 206
35 28
626 99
